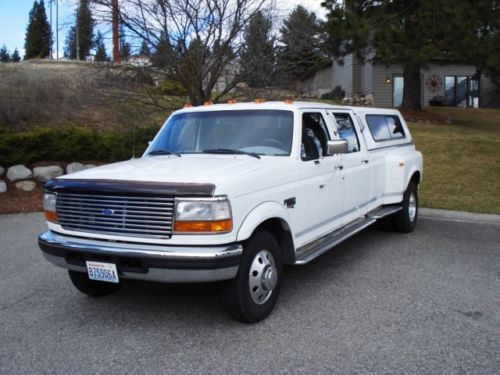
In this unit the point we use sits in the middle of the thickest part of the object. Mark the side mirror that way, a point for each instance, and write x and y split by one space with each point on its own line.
337 146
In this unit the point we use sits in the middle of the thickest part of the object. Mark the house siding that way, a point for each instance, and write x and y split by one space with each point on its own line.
342 75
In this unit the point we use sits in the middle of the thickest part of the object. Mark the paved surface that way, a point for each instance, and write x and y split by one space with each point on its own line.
426 303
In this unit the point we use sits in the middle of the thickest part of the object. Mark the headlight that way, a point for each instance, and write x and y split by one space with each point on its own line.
203 216
49 206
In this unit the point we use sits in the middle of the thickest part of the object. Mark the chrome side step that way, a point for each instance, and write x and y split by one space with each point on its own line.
321 245
384 211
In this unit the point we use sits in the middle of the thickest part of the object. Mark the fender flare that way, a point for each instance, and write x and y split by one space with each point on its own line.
261 213
414 169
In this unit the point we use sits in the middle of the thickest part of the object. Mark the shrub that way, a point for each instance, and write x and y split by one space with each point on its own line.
69 144
170 87
336 94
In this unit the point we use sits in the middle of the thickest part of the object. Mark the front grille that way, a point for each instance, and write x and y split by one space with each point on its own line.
116 214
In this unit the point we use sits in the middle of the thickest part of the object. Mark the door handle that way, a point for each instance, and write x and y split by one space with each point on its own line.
365 161
339 166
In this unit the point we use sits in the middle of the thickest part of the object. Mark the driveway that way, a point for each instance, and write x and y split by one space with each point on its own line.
382 302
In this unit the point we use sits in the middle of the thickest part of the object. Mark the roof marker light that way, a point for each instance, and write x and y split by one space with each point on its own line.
188 105
259 100
232 101
288 101
208 102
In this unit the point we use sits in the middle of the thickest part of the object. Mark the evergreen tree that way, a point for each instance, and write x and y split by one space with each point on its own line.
144 51
15 56
125 49
257 57
300 55
38 34
85 26
100 55
408 33
4 55
163 53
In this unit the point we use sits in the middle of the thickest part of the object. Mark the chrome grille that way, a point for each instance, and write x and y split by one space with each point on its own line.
116 214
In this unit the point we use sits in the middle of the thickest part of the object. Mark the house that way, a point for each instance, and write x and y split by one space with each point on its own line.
455 84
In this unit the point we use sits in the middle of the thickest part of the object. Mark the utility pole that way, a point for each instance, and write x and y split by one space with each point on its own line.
57 29
77 42
51 41
116 42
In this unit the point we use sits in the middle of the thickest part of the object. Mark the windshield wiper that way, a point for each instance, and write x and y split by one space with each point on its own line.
230 151
163 152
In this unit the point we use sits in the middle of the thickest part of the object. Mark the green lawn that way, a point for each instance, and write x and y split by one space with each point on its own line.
461 160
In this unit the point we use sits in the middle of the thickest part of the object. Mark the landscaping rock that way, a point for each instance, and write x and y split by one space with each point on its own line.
3 187
18 172
88 166
26 185
75 167
46 173
2 171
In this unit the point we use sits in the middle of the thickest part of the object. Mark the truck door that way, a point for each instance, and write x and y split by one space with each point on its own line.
356 165
319 191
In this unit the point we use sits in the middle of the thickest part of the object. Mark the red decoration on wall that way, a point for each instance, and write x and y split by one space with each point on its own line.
434 83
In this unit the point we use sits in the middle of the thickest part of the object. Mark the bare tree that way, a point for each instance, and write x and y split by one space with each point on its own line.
198 39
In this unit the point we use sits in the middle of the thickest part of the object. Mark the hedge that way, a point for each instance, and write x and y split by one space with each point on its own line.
70 144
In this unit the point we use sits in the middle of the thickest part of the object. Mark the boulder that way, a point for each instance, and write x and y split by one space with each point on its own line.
75 167
2 171
3 187
46 173
26 185
88 166
18 172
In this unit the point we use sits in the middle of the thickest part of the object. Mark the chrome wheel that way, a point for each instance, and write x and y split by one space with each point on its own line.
263 277
412 207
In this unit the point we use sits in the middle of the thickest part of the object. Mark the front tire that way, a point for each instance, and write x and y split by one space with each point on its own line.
251 296
405 220
91 287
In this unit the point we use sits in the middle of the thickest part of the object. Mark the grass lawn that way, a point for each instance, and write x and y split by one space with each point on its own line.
461 160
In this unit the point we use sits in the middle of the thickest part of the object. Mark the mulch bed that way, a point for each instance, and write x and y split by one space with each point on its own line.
16 200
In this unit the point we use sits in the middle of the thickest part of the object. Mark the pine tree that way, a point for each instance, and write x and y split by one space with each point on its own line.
163 52
408 33
4 54
125 49
38 34
15 56
300 55
100 55
144 51
85 25
258 58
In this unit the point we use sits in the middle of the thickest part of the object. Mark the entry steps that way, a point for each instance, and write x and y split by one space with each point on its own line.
321 245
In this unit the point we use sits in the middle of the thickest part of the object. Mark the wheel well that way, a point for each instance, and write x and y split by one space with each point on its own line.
281 231
415 178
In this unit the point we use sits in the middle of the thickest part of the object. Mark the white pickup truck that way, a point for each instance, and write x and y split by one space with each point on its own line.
233 192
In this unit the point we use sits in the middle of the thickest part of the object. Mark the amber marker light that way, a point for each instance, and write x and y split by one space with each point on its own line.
204 226
188 105
232 101
260 100
208 102
289 101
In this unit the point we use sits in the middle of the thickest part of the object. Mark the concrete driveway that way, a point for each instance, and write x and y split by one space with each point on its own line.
427 302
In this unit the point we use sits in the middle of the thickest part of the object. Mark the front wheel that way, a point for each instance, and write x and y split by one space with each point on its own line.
405 220
91 287
251 296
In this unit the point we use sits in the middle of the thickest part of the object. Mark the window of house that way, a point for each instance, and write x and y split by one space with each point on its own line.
385 127
347 131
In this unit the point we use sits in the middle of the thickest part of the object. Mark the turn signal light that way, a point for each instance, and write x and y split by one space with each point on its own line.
51 216
219 226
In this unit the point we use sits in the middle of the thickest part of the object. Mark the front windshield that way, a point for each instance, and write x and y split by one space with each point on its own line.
259 132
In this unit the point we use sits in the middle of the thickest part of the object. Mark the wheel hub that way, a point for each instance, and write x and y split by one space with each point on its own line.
263 277
412 207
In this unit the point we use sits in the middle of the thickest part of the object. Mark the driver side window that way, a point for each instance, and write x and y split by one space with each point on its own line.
314 136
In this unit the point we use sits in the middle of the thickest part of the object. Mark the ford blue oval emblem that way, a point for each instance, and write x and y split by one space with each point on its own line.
108 212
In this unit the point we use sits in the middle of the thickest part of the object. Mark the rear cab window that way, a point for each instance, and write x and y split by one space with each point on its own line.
385 127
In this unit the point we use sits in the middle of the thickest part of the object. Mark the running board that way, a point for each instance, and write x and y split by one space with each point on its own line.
384 211
321 245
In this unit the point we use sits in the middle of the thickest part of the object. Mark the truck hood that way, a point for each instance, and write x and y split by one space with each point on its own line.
221 170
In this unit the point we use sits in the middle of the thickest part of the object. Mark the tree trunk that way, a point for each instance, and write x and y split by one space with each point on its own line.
412 89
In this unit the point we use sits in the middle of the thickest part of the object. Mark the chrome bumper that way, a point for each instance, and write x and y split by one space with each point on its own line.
144 261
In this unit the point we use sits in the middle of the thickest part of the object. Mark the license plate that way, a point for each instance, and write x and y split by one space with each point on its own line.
102 272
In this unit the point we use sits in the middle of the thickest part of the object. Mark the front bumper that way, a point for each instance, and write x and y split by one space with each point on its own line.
148 262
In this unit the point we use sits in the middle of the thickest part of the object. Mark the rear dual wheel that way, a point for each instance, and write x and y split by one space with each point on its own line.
251 296
405 220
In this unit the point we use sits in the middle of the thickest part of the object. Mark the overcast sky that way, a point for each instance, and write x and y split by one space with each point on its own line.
15 13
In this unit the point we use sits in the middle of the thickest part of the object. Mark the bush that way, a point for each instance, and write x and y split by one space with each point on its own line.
69 144
437 101
170 88
336 94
